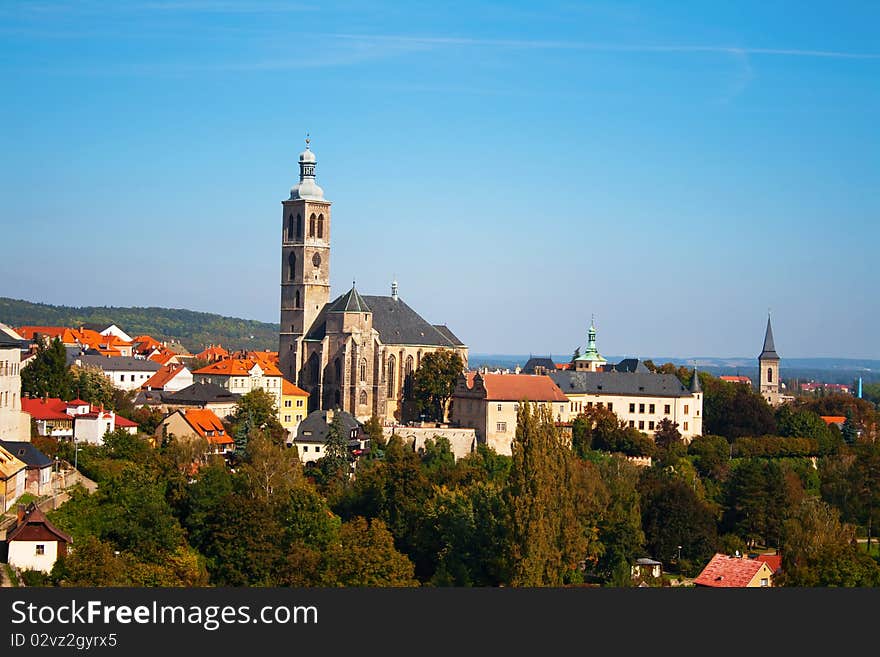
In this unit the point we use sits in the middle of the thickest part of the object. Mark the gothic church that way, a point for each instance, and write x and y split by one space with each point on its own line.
356 352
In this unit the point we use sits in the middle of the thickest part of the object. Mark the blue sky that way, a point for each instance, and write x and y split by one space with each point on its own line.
675 169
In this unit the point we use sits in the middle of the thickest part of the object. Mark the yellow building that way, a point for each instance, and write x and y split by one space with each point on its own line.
294 406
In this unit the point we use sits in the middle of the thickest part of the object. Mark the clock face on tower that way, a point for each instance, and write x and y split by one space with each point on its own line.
316 260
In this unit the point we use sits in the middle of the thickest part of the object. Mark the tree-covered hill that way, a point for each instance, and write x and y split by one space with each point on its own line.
193 329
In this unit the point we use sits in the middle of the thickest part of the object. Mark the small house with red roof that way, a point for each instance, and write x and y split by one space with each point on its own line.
212 353
76 420
489 403
726 571
34 543
196 423
170 378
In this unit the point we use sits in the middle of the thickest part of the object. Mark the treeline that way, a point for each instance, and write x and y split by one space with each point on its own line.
562 510
193 329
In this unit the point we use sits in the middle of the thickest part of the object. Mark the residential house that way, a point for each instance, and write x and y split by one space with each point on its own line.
125 373
77 420
737 379
35 543
641 399
489 404
212 353
538 365
311 438
14 425
726 571
194 423
13 479
52 416
169 378
92 426
294 406
243 375
38 478
164 356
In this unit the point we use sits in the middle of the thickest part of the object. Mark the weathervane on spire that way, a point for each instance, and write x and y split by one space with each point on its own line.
308 140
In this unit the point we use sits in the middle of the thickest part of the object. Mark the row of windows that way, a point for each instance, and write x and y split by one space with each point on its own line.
288 403
9 368
298 418
295 228
651 425
317 448
144 377
4 397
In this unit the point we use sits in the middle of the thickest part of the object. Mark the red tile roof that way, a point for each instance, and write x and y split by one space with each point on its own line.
204 422
35 526
724 571
515 387
214 352
833 419
238 367
124 422
287 388
161 378
50 408
736 379
163 357
773 561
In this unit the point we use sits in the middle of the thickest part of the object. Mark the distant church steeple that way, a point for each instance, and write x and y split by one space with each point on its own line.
768 368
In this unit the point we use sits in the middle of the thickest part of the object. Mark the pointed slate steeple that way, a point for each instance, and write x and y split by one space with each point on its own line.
769 351
695 383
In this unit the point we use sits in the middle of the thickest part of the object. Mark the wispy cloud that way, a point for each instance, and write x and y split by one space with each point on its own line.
533 44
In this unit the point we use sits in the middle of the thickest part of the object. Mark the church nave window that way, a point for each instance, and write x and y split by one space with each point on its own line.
363 398
363 370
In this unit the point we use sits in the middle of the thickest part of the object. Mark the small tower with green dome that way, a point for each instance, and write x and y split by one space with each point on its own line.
591 360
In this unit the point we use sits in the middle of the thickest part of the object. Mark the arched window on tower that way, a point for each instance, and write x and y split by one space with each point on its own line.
392 376
769 375
312 221
296 300
299 226
291 266
363 370
363 398
320 226
290 227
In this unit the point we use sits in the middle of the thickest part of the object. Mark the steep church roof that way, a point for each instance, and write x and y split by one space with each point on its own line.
395 321
619 383
350 302
769 351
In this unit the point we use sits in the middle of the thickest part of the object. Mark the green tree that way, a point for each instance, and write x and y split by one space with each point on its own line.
819 550
335 465
438 460
269 469
365 555
48 375
733 410
849 430
373 429
92 385
712 455
794 422
547 541
255 411
434 382
673 515
620 528
759 499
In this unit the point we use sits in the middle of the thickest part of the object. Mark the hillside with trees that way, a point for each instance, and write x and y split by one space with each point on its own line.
193 329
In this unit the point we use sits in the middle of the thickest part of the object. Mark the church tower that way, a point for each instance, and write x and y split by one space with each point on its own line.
305 263
768 368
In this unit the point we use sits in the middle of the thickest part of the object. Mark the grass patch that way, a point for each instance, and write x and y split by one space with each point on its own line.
27 498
